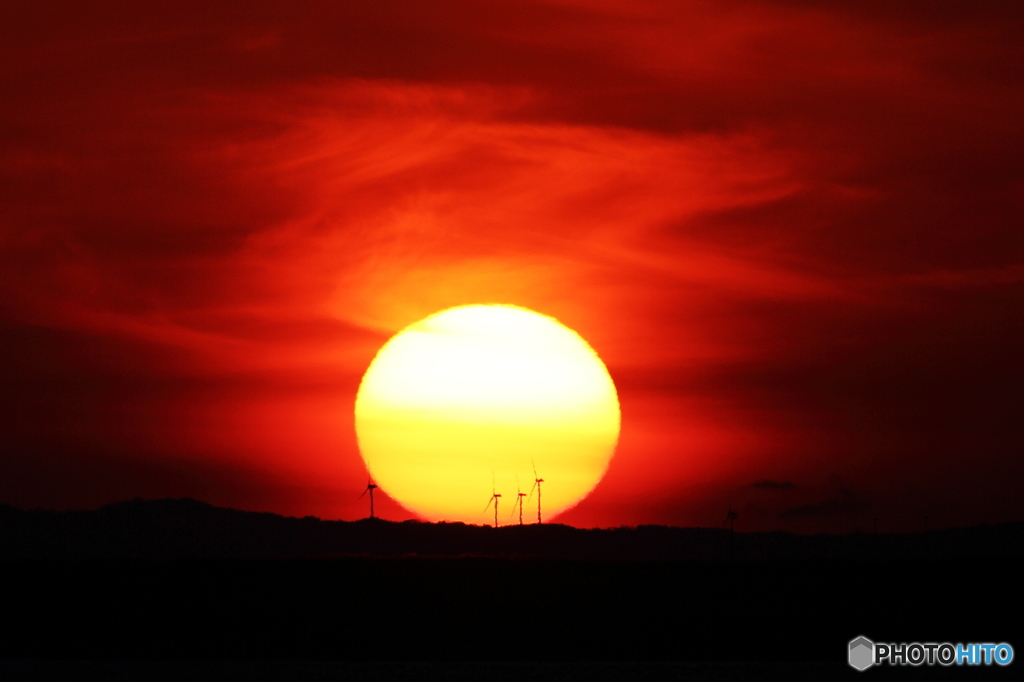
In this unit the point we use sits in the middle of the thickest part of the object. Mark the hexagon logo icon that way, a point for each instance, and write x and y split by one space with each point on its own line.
862 653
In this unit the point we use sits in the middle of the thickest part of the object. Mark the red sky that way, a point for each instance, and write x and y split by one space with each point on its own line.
793 230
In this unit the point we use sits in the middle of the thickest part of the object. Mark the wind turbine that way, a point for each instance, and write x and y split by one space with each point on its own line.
537 480
730 517
519 500
370 486
494 499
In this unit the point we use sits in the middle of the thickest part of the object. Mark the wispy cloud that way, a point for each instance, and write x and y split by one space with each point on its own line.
766 484
846 503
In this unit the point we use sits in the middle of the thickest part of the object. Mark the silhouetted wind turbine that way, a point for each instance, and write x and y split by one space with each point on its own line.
369 489
519 500
730 517
537 480
494 499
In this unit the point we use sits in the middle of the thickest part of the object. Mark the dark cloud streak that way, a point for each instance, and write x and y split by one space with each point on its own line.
766 484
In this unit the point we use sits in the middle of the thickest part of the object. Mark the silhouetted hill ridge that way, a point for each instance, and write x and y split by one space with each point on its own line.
187 527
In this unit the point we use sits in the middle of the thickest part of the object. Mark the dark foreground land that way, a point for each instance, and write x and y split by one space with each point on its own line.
654 603
496 609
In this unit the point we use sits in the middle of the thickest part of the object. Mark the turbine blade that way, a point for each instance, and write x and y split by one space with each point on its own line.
531 491
488 505
364 492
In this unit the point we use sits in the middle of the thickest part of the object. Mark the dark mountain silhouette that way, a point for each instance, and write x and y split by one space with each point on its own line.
172 528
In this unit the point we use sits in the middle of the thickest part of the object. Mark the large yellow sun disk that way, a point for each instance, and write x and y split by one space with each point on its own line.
477 394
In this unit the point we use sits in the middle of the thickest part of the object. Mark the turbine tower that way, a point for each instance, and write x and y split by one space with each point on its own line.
537 480
519 501
730 517
494 499
370 486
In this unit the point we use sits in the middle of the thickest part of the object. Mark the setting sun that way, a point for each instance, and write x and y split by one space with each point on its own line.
475 396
